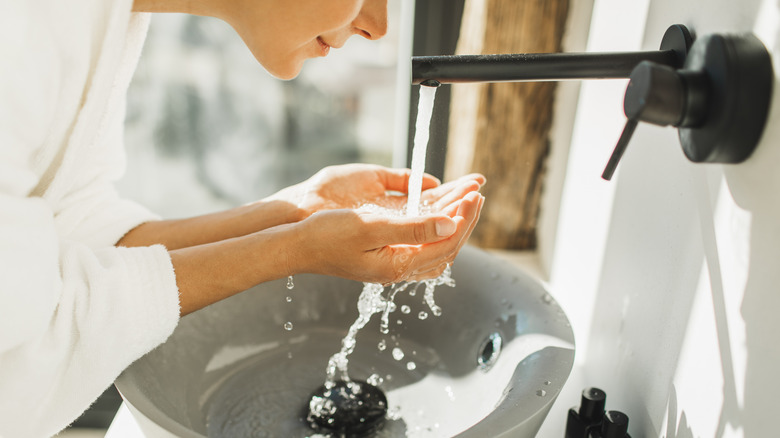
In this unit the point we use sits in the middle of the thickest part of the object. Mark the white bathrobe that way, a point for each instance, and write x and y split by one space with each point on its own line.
74 309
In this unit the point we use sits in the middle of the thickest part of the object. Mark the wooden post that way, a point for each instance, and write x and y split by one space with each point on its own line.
502 130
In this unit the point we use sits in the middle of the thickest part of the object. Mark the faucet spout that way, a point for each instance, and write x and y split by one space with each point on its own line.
534 67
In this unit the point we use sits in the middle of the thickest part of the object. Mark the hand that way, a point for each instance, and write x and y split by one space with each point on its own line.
352 185
378 249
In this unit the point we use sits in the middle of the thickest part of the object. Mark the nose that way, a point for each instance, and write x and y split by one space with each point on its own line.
371 22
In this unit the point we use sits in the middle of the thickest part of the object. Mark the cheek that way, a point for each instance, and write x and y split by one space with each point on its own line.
282 38
280 50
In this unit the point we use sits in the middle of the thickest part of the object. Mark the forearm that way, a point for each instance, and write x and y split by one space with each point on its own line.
214 227
211 272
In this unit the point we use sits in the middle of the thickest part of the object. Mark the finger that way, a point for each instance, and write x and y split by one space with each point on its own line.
471 182
429 274
454 209
410 230
429 181
455 194
469 210
434 253
398 179
473 224
478 177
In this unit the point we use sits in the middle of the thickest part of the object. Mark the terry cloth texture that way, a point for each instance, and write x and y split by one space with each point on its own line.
74 309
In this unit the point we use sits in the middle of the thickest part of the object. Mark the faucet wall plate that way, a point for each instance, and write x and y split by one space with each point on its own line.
739 76
678 39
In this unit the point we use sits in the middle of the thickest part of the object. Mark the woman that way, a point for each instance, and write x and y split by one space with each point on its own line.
90 282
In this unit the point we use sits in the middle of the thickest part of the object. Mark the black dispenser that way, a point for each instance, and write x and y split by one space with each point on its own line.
613 425
589 415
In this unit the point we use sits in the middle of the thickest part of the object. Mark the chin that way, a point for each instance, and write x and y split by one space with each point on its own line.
284 71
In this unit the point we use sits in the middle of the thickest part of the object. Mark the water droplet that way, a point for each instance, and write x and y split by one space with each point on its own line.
547 382
411 366
547 298
375 379
398 354
289 355
436 310
381 345
423 315
399 322
290 284
406 309
288 299
541 393
450 394
288 326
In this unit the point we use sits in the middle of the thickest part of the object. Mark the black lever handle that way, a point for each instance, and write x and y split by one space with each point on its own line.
662 96
620 148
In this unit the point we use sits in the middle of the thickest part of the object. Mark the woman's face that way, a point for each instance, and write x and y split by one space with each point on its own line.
282 34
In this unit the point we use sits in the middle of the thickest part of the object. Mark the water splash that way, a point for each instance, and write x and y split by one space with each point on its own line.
372 301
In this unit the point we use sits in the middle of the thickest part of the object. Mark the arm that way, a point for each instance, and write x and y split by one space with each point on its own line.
345 243
182 233
218 255
346 186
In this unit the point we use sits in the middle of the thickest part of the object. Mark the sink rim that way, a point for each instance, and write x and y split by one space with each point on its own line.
143 405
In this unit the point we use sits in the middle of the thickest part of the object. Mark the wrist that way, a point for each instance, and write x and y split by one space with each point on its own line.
272 211
297 255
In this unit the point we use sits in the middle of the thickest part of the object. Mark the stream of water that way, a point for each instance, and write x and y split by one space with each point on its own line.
371 300
422 129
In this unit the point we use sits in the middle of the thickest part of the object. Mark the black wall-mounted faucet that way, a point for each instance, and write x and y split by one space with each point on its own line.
535 67
716 90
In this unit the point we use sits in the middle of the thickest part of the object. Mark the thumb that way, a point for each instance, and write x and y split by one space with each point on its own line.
418 230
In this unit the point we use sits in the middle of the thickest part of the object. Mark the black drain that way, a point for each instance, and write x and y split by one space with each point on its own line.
348 409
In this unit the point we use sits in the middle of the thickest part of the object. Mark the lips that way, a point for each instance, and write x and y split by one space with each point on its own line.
324 47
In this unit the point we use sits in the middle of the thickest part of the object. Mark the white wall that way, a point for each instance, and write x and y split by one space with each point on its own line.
670 273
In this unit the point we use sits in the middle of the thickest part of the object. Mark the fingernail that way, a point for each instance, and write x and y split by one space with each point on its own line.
445 227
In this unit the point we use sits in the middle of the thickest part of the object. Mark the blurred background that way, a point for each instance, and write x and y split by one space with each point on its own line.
207 128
